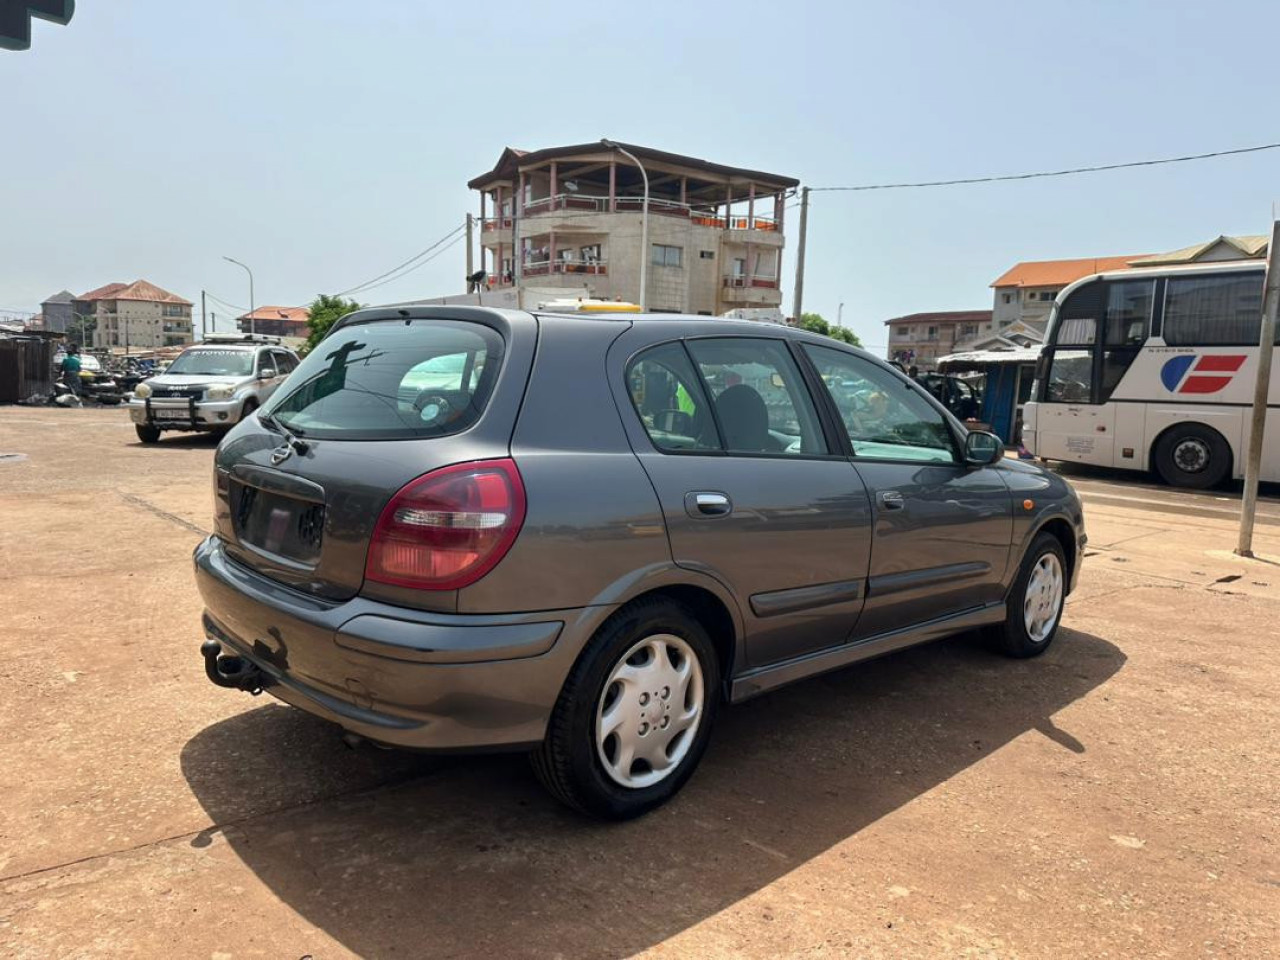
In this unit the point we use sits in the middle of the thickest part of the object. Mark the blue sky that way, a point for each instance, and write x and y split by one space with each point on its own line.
325 142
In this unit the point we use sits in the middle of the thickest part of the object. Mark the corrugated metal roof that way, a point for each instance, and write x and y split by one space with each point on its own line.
976 357
1250 245
62 296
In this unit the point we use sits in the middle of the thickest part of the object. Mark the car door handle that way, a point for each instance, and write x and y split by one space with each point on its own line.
890 500
707 503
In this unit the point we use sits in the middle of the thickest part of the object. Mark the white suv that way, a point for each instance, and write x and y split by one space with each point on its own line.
212 386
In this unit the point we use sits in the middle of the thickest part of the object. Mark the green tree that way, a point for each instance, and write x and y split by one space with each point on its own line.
814 323
324 312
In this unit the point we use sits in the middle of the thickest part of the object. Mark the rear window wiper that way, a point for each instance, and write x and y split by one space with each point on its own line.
269 420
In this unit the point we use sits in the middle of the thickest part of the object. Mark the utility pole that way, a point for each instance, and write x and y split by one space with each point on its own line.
840 315
202 306
470 261
1261 387
804 227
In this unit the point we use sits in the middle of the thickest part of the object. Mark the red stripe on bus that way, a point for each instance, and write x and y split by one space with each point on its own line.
1196 384
1219 364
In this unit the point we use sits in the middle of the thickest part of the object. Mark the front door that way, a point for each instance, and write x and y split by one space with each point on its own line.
942 528
752 490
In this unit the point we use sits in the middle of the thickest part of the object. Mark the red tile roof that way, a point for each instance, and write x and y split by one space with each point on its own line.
292 314
138 290
1058 273
945 316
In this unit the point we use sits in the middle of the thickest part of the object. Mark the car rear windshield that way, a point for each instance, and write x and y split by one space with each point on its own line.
392 379
211 362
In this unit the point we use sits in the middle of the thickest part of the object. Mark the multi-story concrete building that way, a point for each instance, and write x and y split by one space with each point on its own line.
57 313
1026 290
566 221
919 339
136 316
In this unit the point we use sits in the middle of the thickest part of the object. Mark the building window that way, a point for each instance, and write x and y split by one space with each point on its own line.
1048 294
667 256
933 333
591 253
173 310
1008 298
904 331
707 254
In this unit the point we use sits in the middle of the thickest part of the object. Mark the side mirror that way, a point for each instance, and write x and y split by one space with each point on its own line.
982 449
267 373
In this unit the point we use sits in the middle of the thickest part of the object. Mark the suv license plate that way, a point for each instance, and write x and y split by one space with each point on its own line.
170 414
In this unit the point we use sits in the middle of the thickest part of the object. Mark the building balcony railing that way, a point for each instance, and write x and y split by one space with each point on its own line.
542 268
580 203
768 283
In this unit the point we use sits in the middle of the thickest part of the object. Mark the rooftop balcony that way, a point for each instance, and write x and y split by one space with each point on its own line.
568 204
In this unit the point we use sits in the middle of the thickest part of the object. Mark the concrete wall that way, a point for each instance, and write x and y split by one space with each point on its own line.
58 317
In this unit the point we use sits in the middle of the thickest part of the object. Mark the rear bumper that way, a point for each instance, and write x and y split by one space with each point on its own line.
391 674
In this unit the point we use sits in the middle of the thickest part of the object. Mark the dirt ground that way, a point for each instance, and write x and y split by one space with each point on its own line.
1119 797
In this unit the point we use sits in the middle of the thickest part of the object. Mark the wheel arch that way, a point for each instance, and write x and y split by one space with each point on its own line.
1061 530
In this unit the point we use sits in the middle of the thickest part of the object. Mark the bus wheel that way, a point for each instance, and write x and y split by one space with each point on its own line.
1193 456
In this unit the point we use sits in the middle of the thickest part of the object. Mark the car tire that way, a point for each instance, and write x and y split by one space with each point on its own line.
1036 600
147 433
617 705
246 409
1192 456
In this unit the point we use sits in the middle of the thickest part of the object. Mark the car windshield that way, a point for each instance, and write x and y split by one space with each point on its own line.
208 362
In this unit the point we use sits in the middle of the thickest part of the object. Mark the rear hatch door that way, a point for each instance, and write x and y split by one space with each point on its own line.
377 404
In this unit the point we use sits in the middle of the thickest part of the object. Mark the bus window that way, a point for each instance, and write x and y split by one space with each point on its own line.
1129 312
1070 377
1217 310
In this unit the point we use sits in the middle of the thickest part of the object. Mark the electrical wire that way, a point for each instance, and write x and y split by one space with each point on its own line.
369 284
1051 173
399 276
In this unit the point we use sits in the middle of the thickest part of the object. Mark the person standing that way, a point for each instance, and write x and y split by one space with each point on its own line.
70 369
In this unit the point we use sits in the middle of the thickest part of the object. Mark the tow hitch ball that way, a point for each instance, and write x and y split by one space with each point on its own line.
234 672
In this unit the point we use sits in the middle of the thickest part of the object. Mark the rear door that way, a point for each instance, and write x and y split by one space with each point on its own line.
942 529
367 420
752 490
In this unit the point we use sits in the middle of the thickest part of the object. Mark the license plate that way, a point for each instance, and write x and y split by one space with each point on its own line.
281 525
170 414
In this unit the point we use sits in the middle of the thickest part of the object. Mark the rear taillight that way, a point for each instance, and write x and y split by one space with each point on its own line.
448 528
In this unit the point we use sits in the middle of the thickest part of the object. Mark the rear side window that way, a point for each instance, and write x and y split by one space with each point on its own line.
669 398
392 380
1213 310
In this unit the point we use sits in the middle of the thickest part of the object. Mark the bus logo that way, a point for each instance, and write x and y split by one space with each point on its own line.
1203 374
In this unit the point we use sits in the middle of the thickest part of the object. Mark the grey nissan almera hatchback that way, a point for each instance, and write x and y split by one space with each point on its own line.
456 528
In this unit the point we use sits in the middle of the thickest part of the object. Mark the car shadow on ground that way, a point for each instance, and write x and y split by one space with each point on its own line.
400 854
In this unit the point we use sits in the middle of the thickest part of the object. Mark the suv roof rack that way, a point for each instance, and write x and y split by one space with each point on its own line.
240 338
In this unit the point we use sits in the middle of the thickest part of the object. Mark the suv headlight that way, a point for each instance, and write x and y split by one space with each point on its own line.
219 393
142 391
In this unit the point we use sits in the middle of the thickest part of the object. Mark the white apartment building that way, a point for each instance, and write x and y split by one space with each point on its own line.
566 221
135 316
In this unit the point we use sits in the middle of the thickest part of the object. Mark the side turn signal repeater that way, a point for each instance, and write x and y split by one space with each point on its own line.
1028 504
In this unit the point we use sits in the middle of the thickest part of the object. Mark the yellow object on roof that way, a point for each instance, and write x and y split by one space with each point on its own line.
609 307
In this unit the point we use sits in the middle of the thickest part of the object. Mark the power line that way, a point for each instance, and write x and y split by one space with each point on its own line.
369 284
1054 173
399 276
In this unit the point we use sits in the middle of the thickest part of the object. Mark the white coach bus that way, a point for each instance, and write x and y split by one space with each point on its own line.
1154 369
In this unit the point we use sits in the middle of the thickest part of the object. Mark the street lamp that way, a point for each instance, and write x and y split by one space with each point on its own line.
644 221
252 326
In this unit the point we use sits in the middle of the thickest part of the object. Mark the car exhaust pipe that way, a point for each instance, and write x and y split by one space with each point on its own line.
234 672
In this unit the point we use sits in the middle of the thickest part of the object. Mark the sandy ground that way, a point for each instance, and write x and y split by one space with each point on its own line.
1119 797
